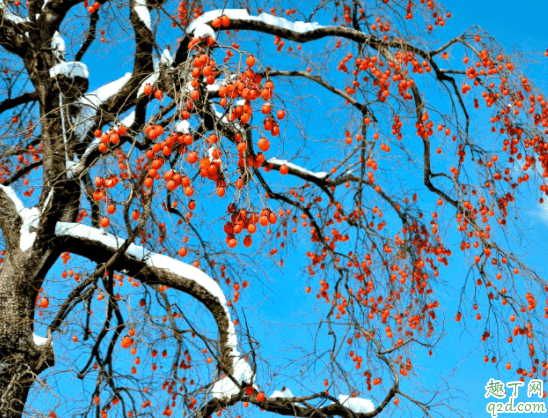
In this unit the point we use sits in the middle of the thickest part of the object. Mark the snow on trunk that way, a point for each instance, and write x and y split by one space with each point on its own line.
29 216
39 340
58 46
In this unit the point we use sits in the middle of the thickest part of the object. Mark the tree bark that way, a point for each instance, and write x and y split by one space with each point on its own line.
21 360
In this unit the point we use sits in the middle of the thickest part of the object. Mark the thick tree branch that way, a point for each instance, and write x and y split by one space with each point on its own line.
153 269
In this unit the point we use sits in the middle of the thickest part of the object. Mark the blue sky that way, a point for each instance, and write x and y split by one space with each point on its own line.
459 358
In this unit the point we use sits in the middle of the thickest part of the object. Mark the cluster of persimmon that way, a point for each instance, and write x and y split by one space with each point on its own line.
383 78
112 137
241 220
184 10
248 87
6 168
93 8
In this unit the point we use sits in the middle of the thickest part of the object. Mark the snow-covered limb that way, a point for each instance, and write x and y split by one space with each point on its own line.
243 15
226 387
358 405
70 69
129 119
319 175
29 216
175 274
152 259
166 58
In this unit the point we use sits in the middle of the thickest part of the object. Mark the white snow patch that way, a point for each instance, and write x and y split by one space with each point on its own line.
58 46
92 147
128 120
282 394
213 88
163 262
203 30
358 405
320 175
39 340
210 154
226 387
182 127
13 196
151 79
13 17
50 195
142 11
70 69
90 103
166 58
70 165
243 15
29 216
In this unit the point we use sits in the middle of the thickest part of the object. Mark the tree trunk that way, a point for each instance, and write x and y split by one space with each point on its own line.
21 360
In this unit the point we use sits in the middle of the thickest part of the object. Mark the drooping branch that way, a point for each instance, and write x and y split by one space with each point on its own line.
21 172
155 269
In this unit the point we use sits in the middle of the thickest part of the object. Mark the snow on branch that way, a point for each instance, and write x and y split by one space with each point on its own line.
29 216
129 119
284 393
39 340
357 405
58 47
275 161
182 127
70 69
242 372
152 259
203 31
243 16
226 386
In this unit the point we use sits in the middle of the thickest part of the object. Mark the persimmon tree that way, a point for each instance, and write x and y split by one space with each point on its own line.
136 208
